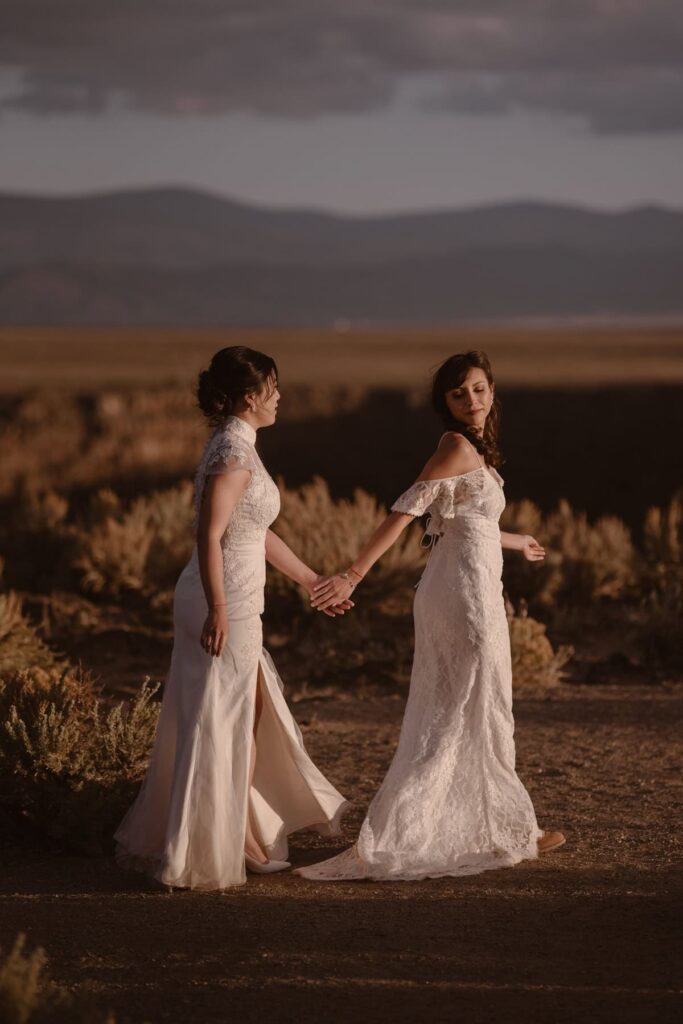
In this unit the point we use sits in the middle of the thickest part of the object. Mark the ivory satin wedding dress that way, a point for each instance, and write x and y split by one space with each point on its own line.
187 825
451 802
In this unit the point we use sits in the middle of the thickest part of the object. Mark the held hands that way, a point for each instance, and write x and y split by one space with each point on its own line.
335 607
532 550
215 632
334 591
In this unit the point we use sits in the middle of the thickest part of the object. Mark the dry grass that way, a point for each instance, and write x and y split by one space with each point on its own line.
661 584
21 647
29 996
585 562
69 763
58 441
328 534
73 357
535 663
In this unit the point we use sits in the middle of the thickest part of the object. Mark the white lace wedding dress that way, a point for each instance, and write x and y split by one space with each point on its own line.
187 825
451 802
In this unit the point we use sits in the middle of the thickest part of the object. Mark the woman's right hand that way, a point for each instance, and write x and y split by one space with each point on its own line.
332 591
333 610
215 632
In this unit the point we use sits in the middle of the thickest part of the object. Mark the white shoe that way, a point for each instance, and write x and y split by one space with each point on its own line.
265 869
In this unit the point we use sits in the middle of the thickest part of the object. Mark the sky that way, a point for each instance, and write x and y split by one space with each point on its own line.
357 106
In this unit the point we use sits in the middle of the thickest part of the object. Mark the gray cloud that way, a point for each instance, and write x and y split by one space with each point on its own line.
613 63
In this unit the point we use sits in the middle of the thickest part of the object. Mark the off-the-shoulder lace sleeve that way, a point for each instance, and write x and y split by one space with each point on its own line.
229 454
417 499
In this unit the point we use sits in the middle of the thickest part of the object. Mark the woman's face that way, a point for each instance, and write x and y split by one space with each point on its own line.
264 403
470 403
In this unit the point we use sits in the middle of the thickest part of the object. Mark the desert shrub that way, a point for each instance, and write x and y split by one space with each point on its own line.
327 535
661 580
170 514
20 644
69 765
534 661
36 539
533 582
112 546
140 546
597 559
86 441
662 561
29 996
374 640
584 563
660 631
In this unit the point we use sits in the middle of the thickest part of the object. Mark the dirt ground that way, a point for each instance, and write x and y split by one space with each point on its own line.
588 933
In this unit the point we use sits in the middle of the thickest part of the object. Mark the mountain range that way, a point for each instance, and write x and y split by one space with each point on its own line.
176 256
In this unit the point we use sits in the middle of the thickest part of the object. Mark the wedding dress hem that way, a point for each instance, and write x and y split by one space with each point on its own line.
151 866
349 866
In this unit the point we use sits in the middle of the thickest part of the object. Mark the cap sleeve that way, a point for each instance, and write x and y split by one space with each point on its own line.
417 499
229 454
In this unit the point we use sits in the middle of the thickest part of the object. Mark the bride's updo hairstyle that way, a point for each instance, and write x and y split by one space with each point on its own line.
232 373
450 375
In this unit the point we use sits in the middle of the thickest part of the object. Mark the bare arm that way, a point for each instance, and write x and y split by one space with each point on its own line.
452 457
281 557
524 542
221 494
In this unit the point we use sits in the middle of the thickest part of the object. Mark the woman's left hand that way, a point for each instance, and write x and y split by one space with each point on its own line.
333 608
532 550
332 591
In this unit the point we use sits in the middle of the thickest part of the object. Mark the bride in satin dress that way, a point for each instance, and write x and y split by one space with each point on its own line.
451 802
229 778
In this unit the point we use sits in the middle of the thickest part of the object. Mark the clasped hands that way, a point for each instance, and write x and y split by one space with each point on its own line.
331 594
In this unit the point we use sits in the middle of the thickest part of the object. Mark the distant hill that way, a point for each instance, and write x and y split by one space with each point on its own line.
180 257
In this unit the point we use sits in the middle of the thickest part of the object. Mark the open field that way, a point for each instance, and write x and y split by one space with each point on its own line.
85 358
590 932
99 437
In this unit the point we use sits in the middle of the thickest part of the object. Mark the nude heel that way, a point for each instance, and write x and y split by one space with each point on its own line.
257 868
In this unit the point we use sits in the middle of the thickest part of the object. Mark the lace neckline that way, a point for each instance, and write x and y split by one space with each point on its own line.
236 425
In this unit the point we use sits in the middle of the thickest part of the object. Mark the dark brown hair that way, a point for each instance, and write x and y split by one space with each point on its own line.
232 373
451 374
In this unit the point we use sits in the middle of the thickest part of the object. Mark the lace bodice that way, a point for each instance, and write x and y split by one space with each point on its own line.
454 497
229 448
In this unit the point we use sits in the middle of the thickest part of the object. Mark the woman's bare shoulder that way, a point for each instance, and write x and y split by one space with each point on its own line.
454 455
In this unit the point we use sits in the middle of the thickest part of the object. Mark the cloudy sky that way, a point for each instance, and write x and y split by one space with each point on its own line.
350 105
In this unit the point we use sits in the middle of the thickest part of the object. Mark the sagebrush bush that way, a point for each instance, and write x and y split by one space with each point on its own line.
20 644
86 441
534 661
662 561
69 764
584 561
29 996
36 539
661 578
327 535
140 546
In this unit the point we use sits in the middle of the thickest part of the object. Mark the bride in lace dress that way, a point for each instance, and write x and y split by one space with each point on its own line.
451 802
229 778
